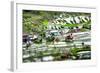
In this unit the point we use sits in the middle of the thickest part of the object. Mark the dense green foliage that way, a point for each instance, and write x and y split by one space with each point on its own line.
38 21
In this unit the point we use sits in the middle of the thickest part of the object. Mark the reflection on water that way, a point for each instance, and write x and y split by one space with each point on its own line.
57 51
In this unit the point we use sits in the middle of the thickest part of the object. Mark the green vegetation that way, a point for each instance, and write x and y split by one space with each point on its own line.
46 29
38 21
74 51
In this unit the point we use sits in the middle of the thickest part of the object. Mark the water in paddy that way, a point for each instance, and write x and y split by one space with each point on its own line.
84 37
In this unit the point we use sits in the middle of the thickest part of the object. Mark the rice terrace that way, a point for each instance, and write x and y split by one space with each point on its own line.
56 36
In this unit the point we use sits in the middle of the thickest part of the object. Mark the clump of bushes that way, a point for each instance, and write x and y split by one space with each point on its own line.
75 50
